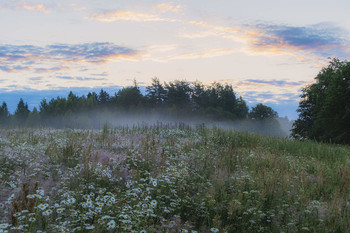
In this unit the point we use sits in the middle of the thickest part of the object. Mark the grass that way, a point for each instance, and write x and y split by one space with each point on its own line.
170 179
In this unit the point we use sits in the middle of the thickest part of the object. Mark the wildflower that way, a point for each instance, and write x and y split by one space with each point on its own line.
214 229
60 210
3 231
43 206
111 224
184 230
47 212
4 225
89 227
143 231
40 192
71 200
20 227
154 203
30 196
172 223
154 183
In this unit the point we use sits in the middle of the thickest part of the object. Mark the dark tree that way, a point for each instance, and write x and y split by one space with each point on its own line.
103 97
241 108
156 94
262 112
324 111
129 96
179 94
4 114
22 112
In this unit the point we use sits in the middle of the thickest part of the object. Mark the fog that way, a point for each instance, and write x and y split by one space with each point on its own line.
96 120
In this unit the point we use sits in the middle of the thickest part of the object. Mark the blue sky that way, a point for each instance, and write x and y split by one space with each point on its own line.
268 50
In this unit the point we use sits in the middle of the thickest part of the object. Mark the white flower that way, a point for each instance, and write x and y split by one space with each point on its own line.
20 227
30 196
143 231
43 206
214 229
111 224
40 192
154 203
4 225
47 212
89 227
71 200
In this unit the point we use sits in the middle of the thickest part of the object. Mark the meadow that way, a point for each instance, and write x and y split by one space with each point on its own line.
164 178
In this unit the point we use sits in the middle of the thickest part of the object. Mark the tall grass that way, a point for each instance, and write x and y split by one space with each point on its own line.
165 178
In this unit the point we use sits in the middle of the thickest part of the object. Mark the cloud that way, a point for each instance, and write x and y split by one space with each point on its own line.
80 78
57 68
7 68
311 42
103 74
111 16
36 79
59 56
89 52
203 54
65 77
279 83
38 7
168 7
270 97
321 40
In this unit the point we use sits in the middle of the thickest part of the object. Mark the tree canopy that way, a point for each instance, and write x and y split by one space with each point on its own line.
324 111
173 100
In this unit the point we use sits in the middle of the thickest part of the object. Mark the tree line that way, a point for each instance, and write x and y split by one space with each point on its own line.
324 109
176 99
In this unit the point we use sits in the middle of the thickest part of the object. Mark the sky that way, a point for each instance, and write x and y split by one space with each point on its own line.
267 50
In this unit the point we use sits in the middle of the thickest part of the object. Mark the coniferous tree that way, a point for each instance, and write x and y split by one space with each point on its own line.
4 114
22 112
156 94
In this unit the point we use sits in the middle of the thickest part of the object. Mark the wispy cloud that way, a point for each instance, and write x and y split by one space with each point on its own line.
202 54
31 7
13 57
320 40
112 16
306 42
168 7
80 78
51 69
9 68
276 83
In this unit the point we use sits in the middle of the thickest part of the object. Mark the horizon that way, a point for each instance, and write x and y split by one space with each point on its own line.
260 48
33 98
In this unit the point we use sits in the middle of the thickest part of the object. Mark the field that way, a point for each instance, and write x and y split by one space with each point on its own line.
170 179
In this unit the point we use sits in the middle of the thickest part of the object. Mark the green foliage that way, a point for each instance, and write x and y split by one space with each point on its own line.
128 97
156 94
262 112
21 113
324 111
170 179
174 100
4 114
